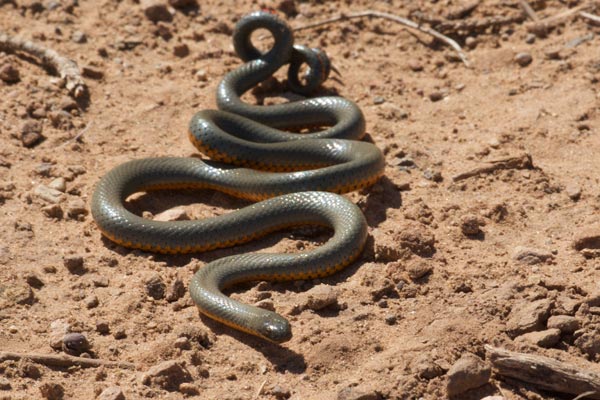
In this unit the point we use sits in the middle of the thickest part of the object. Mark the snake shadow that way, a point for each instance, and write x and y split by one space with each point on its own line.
282 358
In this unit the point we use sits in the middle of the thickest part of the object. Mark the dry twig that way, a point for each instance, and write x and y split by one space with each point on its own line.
545 373
401 20
66 68
519 162
528 10
63 360
540 27
592 17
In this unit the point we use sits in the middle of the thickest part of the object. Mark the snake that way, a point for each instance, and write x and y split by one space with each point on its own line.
292 160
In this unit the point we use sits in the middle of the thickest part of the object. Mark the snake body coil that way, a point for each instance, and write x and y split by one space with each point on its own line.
290 174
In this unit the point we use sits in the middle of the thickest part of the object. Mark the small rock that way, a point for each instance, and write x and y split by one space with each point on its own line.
52 391
155 287
587 241
415 66
436 96
91 301
74 263
79 37
357 393
391 319
573 191
281 392
67 103
49 195
181 50
418 270
58 330
320 297
75 343
100 281
16 293
91 72
31 133
30 370
120 334
433 175
469 225
589 343
174 214
61 119
9 74
156 10
469 372
529 316
531 256
548 338
182 343
552 53
378 100
167 375
189 389
201 75
425 367
175 291
33 280
102 327
58 184
566 323
523 59
4 384
183 3
112 393
530 38
76 207
471 42
266 305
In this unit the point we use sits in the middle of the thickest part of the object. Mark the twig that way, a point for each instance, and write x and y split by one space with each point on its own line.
546 373
583 395
64 360
67 69
519 162
592 17
528 10
542 26
260 389
403 21
79 135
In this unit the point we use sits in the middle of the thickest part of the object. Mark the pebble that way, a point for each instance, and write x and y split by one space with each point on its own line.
320 297
530 38
436 96
167 375
120 334
59 184
573 190
79 37
523 59
471 42
266 305
357 393
415 66
378 100
60 119
75 343
4 384
433 175
48 194
74 263
67 103
470 225
13 329
102 327
182 343
391 319
52 391
587 241
112 393
189 389
100 281
91 301
33 280
589 343
531 256
566 323
175 291
58 330
174 214
547 338
155 287
529 316
9 74
553 53
418 270
17 293
425 367
201 75
281 392
76 207
469 372
156 10
31 133
181 50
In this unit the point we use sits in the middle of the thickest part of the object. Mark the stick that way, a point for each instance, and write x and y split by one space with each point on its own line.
519 162
528 10
542 25
63 360
67 69
403 21
544 372
594 18
79 135
260 389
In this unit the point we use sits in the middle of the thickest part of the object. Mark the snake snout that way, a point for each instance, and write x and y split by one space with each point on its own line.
276 329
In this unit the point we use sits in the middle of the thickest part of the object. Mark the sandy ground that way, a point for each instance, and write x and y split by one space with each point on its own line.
506 257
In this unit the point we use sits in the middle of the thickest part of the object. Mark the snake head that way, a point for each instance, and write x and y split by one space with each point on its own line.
275 328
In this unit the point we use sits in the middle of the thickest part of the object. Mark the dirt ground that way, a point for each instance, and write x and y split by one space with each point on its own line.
507 256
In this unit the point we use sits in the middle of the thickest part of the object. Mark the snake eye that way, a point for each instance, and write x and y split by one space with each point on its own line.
276 329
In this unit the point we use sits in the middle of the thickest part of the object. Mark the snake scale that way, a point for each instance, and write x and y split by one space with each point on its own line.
294 177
